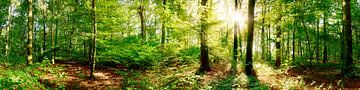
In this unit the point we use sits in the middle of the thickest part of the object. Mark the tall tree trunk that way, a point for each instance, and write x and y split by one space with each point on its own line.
204 53
347 33
93 54
236 29
263 51
30 32
269 42
163 24
325 58
248 65
44 33
52 32
142 21
8 30
317 40
293 41
278 46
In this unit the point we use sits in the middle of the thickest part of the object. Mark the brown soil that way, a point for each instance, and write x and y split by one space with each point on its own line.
324 78
76 76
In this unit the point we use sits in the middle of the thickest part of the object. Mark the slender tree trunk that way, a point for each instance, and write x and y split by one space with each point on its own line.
52 32
287 51
347 33
278 46
300 49
30 32
44 33
204 53
263 51
93 54
163 24
325 58
269 43
236 30
142 21
317 40
8 30
248 65
293 41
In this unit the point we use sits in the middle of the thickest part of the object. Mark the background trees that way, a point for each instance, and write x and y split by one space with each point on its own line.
153 34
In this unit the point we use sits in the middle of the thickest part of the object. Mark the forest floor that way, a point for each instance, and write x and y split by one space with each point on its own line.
75 76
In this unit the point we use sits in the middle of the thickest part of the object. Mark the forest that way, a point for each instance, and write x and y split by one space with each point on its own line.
179 44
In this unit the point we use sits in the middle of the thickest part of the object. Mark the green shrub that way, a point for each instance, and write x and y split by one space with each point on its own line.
131 53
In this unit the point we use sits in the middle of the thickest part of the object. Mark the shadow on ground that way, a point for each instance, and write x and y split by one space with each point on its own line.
241 81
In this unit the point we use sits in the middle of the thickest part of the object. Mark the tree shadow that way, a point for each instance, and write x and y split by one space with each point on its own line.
254 83
226 84
241 81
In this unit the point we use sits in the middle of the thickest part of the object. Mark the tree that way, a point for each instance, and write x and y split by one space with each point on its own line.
204 52
263 44
8 29
347 36
30 31
142 21
325 58
163 30
236 29
278 47
44 31
250 36
93 47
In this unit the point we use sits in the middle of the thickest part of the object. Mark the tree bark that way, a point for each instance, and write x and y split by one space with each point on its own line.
30 32
142 21
204 53
93 54
278 46
347 33
263 50
236 29
163 30
248 65
325 58
293 41
7 30
317 40
44 33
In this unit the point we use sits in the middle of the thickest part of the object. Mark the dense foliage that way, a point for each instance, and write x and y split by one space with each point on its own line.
169 44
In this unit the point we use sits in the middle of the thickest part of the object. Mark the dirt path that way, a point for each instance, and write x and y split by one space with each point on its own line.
75 76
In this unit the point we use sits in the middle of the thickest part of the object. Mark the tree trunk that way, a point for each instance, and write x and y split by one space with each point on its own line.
52 33
142 21
347 33
317 40
293 41
263 51
236 29
204 53
269 42
248 65
44 33
325 41
93 54
278 46
163 24
7 31
30 32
